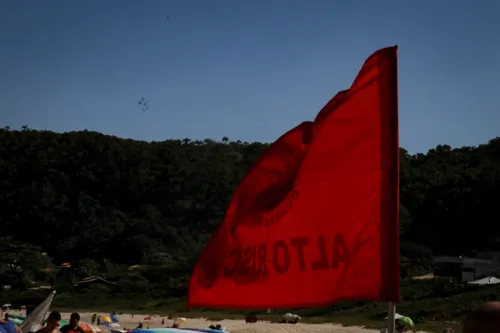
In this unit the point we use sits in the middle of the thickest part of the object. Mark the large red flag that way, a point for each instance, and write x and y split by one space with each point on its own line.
315 220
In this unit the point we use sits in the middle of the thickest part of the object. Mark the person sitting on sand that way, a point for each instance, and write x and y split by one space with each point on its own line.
216 327
139 326
113 317
52 324
7 326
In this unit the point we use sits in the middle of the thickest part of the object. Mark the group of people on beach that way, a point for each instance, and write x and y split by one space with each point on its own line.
483 319
52 324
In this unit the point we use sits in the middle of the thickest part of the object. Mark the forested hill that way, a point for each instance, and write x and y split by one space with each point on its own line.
85 195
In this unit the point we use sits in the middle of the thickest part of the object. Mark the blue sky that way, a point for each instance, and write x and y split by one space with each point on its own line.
249 70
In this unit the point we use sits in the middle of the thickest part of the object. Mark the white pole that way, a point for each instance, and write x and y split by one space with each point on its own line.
391 314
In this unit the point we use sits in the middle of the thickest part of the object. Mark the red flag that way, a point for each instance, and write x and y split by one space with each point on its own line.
315 220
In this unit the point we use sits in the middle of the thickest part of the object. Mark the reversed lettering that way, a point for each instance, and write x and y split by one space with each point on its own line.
235 258
281 257
262 270
318 254
245 262
299 244
339 251
322 262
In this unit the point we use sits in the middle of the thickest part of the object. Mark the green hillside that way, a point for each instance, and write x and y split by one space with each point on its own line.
104 204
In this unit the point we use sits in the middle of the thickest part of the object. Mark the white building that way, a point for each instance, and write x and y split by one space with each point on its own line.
465 269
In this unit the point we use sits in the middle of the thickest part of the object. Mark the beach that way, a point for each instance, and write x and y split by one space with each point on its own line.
231 325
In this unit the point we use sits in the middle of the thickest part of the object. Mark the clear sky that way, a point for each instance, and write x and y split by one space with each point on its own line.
246 69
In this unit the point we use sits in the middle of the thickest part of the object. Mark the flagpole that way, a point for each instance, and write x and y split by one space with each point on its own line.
391 314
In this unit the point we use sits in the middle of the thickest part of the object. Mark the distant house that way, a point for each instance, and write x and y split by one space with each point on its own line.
490 255
423 277
463 269
41 288
134 267
94 279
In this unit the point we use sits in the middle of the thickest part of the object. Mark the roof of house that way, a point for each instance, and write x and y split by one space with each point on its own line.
93 279
460 260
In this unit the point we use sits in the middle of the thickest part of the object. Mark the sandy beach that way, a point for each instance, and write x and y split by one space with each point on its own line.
233 326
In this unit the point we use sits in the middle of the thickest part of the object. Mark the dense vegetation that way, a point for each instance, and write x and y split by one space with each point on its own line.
103 204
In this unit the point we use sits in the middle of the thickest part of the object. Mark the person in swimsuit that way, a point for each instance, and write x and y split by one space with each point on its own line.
7 326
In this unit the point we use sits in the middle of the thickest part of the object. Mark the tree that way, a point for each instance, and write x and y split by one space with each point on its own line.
84 197
19 262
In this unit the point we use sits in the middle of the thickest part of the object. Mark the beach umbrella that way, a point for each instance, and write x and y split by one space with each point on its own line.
206 330
108 322
407 321
19 318
162 330
88 328
13 315
403 319
396 316
16 321
106 319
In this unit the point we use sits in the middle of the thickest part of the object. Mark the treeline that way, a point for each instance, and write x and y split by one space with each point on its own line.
103 204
